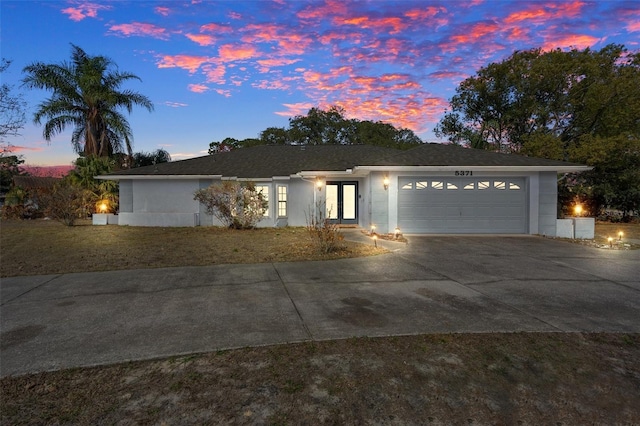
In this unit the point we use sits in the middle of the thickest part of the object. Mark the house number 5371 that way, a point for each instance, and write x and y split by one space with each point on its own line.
463 173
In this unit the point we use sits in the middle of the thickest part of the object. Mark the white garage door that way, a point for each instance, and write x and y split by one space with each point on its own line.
462 205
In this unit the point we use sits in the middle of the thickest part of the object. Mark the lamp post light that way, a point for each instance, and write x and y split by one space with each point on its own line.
578 209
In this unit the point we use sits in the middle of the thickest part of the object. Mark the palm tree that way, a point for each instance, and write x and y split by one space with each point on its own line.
86 96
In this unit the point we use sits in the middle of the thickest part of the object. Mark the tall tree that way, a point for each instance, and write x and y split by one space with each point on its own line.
87 96
560 105
12 108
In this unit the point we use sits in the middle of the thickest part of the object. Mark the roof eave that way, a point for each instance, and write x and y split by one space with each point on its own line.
558 169
155 177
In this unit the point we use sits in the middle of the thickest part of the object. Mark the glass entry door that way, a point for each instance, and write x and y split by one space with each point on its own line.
342 202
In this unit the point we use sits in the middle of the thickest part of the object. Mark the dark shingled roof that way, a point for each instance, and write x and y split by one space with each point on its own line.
265 161
437 154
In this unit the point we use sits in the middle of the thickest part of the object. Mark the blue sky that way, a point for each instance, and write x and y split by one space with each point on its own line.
217 69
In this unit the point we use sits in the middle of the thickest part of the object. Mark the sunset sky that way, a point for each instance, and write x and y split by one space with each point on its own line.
217 69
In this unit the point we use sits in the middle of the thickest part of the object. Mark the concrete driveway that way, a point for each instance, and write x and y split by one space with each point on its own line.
435 284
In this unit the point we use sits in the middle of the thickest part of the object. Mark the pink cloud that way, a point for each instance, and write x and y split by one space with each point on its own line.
578 41
198 88
476 32
215 28
392 24
160 10
140 29
426 13
214 73
632 27
84 10
187 62
271 85
201 39
236 52
540 13
299 108
318 13
223 92
19 148
267 64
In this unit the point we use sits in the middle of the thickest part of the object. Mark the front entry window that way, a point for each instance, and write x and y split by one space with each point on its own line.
331 201
349 201
341 200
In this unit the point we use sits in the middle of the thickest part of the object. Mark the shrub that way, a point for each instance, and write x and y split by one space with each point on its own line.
237 205
67 202
325 235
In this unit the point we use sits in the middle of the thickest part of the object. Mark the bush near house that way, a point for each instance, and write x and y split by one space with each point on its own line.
237 205
325 236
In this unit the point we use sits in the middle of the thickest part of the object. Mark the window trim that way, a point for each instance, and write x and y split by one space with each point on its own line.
282 202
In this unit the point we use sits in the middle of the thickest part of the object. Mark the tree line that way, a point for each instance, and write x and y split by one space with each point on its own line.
320 127
580 105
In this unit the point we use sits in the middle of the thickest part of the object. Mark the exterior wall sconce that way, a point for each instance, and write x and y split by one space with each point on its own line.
385 182
319 184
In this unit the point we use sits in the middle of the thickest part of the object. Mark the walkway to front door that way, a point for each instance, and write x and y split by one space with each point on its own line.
342 202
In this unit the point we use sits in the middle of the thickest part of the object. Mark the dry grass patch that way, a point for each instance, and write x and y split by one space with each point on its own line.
521 378
47 247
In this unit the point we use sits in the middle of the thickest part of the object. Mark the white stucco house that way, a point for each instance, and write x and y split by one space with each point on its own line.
430 189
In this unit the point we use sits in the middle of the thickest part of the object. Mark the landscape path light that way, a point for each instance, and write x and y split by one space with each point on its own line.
620 234
610 241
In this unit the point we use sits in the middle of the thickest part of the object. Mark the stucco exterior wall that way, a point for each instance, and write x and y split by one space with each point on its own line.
162 202
380 201
547 203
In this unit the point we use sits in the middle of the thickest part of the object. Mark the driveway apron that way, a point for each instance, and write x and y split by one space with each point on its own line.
433 284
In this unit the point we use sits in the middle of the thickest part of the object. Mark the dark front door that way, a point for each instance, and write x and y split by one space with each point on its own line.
342 202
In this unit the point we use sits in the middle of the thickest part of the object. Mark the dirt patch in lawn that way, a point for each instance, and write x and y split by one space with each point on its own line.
522 378
46 247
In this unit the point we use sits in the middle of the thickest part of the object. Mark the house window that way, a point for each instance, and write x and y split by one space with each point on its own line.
484 185
437 185
499 185
470 185
408 185
422 185
514 186
451 185
264 190
282 201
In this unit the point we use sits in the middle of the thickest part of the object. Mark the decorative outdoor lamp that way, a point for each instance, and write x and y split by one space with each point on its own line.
610 241
103 206
385 182
578 209
319 184
620 234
